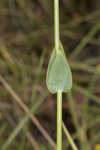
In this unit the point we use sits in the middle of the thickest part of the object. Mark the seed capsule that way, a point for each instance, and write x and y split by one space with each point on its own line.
59 76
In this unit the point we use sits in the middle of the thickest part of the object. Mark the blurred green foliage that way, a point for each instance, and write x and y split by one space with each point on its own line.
26 41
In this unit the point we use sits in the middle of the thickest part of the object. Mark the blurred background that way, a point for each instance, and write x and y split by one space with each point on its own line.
27 109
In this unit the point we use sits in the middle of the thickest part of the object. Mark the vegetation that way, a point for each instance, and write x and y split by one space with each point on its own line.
59 78
27 109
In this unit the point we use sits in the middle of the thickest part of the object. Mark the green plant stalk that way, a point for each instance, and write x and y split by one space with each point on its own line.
59 120
69 138
56 25
59 93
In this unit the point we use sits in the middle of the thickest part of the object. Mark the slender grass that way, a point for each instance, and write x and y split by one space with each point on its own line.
56 25
21 124
85 40
80 130
59 93
58 74
88 18
87 93
59 120
85 106
84 67
69 138
26 110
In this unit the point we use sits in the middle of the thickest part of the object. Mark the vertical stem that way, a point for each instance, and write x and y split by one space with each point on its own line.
56 24
59 120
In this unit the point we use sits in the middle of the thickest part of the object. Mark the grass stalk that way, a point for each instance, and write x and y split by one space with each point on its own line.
59 120
56 68
69 138
56 25
59 93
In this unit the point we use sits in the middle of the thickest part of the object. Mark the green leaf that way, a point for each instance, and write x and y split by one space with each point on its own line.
58 75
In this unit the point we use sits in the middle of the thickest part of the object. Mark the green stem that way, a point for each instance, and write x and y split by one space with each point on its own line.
69 138
56 25
59 120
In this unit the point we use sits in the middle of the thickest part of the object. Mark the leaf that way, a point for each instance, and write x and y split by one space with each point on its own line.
58 75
